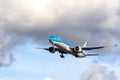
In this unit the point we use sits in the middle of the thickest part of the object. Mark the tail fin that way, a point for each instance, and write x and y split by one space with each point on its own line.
85 44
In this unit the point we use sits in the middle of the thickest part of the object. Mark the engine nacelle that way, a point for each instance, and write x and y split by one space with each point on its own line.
52 49
78 49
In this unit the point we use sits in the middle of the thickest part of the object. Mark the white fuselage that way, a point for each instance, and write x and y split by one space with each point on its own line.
62 46
66 48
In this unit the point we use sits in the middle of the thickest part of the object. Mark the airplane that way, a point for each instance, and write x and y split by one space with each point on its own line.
65 47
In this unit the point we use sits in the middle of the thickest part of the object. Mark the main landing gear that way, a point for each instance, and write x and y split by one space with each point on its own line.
62 56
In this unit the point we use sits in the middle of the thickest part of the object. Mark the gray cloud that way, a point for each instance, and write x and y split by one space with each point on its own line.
92 20
98 73
76 21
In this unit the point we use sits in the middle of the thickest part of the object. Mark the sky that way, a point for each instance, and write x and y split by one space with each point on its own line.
26 24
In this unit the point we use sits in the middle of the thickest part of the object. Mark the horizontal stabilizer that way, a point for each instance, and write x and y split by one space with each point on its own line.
92 54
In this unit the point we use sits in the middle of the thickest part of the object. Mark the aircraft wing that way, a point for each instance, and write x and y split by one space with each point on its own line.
43 48
56 49
94 47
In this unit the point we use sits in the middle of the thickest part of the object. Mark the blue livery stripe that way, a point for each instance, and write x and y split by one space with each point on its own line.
58 39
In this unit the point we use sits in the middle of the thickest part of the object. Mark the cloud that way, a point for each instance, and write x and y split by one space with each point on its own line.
96 72
5 79
6 46
82 20
78 17
48 78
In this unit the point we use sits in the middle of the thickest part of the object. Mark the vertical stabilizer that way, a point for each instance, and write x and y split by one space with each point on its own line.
85 44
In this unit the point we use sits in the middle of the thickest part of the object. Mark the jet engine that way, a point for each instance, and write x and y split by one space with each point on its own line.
78 49
52 49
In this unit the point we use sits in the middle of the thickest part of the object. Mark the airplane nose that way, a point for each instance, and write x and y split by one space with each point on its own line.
51 41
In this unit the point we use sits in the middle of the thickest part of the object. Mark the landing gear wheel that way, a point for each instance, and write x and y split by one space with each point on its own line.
76 55
62 56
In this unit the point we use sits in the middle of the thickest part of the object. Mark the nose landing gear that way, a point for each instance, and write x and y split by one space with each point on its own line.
62 56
